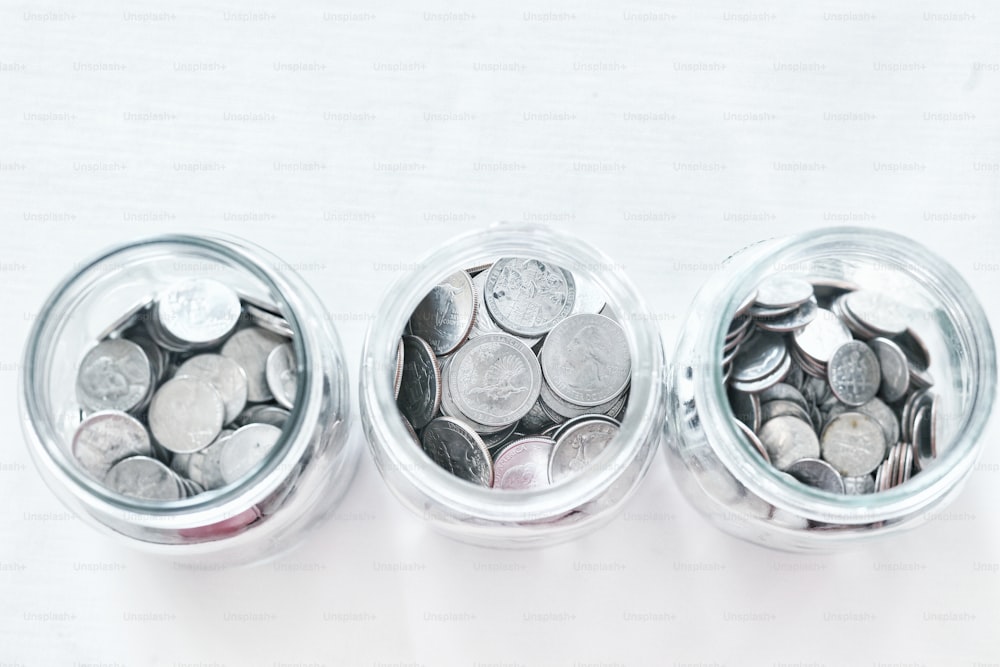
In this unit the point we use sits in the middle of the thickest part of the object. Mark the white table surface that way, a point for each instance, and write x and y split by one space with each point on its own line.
346 137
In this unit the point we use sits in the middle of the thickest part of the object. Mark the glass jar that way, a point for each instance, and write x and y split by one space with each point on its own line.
513 518
292 488
726 480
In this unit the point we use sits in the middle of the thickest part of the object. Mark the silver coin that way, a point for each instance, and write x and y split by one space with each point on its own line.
589 297
272 322
458 449
420 392
894 367
828 290
760 356
788 439
761 384
186 414
793 321
444 317
282 375
115 374
397 380
772 409
577 446
198 311
859 485
249 348
854 373
493 440
528 297
553 404
523 464
853 443
877 312
205 465
105 438
146 478
263 414
245 449
782 290
159 358
784 392
822 336
817 474
536 420
753 440
585 359
495 379
227 376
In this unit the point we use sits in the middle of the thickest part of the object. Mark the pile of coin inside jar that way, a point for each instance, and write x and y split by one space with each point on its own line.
830 384
187 392
513 375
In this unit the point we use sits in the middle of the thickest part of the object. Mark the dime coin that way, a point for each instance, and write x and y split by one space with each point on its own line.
105 438
459 450
249 348
818 474
228 378
894 367
445 316
527 297
788 439
146 478
783 290
856 486
854 373
793 321
760 356
877 312
585 360
245 449
819 339
186 414
420 392
854 444
397 380
577 446
282 375
523 464
114 375
198 311
495 379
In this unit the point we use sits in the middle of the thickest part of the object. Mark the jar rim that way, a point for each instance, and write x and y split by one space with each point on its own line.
205 507
920 491
389 435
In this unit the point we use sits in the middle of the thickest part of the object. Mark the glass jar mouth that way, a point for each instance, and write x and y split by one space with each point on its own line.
466 251
959 454
38 422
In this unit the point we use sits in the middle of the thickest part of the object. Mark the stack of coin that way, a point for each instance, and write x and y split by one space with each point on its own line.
513 374
830 384
186 392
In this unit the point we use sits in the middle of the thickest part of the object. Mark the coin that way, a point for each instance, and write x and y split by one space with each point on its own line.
132 315
819 339
282 375
788 439
263 414
894 367
761 355
877 312
397 380
854 373
853 443
761 384
585 359
186 414
272 322
228 378
753 440
784 392
198 311
115 374
792 321
772 409
459 450
205 465
245 449
444 317
146 478
589 297
420 391
528 297
249 348
577 446
856 486
524 464
818 474
495 379
105 438
783 290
